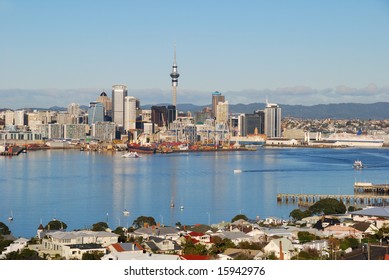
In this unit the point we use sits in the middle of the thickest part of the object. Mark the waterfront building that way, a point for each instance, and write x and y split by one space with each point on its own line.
74 111
216 98
206 113
174 75
171 114
20 118
50 131
222 113
9 117
74 131
107 104
65 118
272 120
159 117
130 113
119 92
251 123
16 136
103 131
95 113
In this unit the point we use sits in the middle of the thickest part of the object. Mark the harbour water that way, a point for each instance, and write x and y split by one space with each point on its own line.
82 188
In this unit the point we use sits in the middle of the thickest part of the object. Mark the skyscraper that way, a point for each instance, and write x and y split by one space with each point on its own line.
174 75
130 113
216 98
107 103
95 113
119 92
272 120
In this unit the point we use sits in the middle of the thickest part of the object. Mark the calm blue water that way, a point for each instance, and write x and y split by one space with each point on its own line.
81 188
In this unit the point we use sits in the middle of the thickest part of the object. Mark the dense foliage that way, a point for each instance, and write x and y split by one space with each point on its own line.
325 206
25 254
4 230
56 225
239 217
142 220
100 226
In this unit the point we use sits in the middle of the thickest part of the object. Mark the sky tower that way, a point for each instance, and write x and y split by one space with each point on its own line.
174 76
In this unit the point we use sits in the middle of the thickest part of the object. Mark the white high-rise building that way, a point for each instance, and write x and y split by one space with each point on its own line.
272 120
20 118
9 117
119 92
222 113
130 112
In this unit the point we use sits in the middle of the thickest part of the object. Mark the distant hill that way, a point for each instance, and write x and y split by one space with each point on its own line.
376 111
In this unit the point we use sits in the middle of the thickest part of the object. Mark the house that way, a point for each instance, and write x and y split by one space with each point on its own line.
282 248
140 256
340 232
16 245
365 227
160 245
232 253
55 243
369 213
158 231
235 236
76 251
194 257
125 247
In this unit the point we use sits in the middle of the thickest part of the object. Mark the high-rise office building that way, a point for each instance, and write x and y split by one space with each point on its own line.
119 92
272 120
107 103
216 98
95 112
222 113
130 113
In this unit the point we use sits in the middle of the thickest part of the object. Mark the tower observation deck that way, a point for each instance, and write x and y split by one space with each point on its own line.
174 75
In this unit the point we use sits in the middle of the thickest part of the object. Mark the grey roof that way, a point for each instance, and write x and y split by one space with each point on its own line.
156 231
374 211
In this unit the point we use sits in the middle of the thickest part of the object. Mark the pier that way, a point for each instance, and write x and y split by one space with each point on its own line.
347 199
382 189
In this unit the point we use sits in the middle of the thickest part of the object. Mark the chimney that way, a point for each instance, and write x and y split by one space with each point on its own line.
281 253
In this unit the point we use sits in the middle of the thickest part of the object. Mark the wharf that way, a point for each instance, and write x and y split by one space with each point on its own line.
356 199
360 187
13 151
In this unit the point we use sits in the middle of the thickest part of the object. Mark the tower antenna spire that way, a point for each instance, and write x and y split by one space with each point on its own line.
174 75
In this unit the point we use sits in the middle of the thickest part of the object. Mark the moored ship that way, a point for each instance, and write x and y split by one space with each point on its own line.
133 147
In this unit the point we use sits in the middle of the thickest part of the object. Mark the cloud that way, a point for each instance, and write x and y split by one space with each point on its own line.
296 95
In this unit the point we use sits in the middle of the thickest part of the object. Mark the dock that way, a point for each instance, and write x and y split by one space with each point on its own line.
360 187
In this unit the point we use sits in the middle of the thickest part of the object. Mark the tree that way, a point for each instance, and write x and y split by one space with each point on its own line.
4 230
239 217
298 215
328 206
56 225
25 254
92 256
140 221
121 232
220 245
305 236
100 226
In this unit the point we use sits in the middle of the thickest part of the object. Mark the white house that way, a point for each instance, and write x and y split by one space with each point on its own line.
281 247
15 246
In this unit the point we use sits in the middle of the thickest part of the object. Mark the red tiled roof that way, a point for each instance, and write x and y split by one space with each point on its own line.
386 257
193 233
117 247
194 257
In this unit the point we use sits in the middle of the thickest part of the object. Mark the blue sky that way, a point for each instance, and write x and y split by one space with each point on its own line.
295 52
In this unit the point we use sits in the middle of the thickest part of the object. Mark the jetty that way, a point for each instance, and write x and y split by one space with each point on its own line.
364 194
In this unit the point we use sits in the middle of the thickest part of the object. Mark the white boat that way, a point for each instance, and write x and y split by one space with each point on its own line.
237 171
358 164
11 217
126 213
355 140
131 155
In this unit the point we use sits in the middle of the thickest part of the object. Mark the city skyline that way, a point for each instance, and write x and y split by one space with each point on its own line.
293 52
